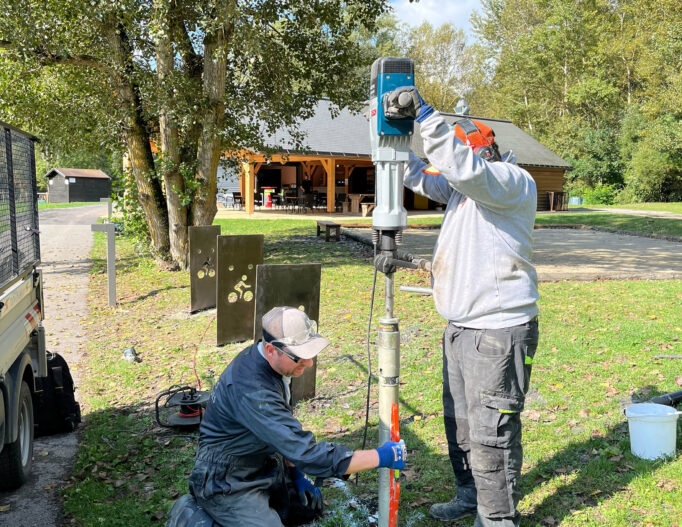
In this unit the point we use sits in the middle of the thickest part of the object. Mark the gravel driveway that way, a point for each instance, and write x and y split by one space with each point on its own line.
65 243
573 254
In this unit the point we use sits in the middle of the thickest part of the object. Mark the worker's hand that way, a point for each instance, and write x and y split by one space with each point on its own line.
392 455
308 493
406 102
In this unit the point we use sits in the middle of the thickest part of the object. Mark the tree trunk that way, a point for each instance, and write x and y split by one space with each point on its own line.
137 140
208 154
169 168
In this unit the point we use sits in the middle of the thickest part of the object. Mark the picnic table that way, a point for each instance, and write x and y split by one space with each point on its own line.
355 200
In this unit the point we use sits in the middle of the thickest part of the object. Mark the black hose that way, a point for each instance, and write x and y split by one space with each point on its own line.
369 358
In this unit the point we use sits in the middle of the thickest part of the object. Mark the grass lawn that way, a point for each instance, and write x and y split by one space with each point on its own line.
43 206
612 221
597 349
604 220
675 207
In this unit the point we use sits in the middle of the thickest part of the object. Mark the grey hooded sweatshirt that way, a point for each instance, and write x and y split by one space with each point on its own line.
482 274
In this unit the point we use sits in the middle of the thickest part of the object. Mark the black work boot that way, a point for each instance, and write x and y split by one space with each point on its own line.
461 506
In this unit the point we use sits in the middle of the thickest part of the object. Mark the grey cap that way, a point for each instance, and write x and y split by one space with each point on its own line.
292 328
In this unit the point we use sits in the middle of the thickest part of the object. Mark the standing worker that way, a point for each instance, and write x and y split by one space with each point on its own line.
486 287
253 454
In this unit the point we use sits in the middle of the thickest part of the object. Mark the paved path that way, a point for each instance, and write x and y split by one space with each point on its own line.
65 243
569 254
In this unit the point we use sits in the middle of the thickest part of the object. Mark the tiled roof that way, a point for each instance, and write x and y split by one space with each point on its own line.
347 135
78 173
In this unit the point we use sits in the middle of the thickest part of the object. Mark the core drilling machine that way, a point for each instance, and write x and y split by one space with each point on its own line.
390 142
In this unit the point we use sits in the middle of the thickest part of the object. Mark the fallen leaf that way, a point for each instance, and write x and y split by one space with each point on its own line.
420 502
584 413
678 380
533 415
4 508
549 520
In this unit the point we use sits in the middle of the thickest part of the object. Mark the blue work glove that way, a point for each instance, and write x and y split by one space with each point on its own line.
392 455
406 102
308 493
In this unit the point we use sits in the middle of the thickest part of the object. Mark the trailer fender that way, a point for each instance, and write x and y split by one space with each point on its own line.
20 370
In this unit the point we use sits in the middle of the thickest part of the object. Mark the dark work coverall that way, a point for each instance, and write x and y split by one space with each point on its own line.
247 431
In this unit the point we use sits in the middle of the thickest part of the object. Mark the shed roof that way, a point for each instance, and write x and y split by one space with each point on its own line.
346 135
87 173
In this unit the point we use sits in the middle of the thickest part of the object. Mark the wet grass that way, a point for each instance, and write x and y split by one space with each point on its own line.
598 348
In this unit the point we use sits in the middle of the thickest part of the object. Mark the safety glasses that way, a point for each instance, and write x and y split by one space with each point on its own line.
287 353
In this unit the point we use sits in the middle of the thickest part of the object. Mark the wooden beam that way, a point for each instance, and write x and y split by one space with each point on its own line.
329 165
248 173
349 172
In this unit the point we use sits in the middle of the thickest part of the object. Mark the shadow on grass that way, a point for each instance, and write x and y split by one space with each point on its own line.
123 264
152 293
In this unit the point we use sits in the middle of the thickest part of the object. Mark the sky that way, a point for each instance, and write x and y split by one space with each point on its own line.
436 12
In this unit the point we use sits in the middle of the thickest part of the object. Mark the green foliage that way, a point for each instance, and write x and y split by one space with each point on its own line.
125 194
444 65
600 194
598 161
597 81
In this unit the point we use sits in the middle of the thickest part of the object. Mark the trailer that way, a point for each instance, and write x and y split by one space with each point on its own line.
23 358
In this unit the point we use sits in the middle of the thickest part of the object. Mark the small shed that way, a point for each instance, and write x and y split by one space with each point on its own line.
336 158
68 185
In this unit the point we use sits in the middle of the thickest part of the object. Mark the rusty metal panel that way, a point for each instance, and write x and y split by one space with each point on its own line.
238 257
202 262
296 285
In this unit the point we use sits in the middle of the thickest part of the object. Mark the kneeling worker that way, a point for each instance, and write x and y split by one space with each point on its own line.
251 448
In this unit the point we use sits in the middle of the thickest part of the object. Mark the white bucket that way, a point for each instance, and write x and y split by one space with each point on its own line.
653 430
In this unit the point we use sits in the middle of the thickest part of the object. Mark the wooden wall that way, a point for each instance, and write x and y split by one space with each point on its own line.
89 189
546 180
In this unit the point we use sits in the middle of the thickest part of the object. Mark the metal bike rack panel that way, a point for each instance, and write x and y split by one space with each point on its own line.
296 285
202 262
238 257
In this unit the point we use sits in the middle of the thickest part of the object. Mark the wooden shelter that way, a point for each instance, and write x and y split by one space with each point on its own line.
336 159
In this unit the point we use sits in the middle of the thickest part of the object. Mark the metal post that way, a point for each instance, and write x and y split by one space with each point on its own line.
108 202
389 373
109 228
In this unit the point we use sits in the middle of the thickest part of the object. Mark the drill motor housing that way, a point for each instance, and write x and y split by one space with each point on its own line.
390 141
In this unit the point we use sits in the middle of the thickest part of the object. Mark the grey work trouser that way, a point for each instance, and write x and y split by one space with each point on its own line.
485 379
256 492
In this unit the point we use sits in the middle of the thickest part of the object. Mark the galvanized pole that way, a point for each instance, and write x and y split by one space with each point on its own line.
389 375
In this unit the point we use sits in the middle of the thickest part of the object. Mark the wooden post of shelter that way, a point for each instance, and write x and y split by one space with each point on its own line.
329 165
248 171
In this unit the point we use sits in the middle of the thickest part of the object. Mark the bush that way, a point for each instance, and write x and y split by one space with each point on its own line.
601 195
134 220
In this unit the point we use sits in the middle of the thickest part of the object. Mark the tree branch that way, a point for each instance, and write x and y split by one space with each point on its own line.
47 58
192 60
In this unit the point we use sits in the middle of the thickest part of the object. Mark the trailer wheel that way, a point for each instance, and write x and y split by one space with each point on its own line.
16 458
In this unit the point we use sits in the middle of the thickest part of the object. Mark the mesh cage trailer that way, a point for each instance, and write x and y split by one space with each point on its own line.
23 359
